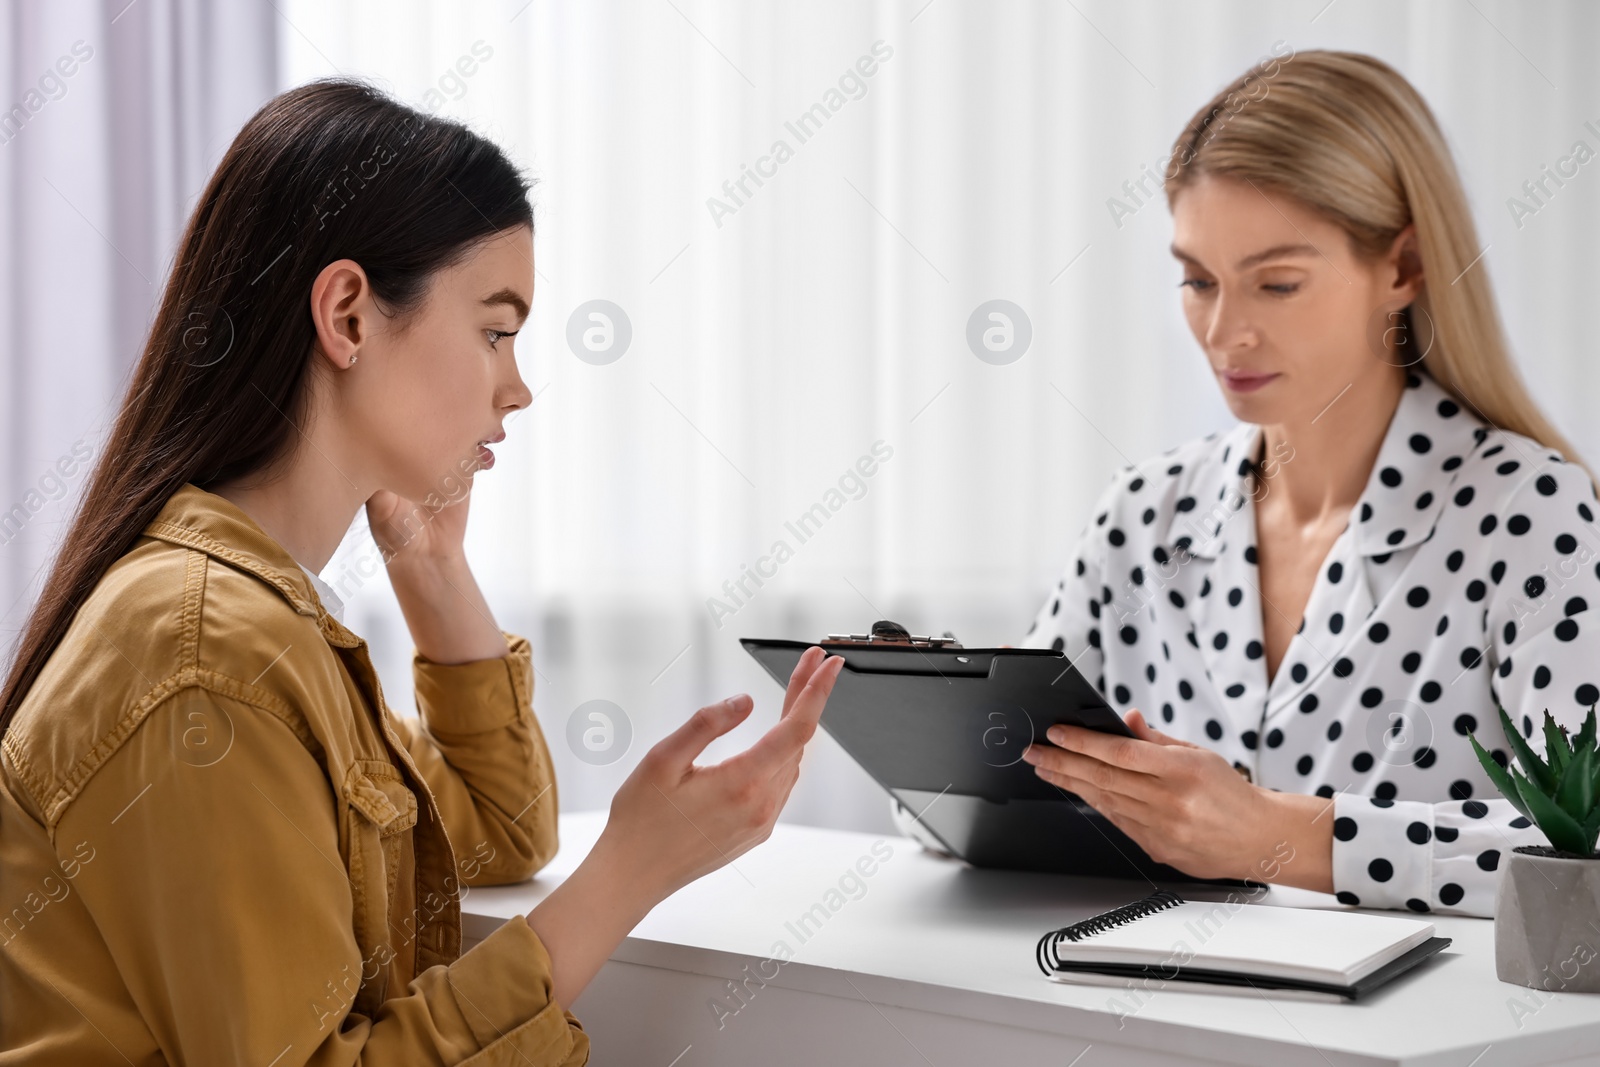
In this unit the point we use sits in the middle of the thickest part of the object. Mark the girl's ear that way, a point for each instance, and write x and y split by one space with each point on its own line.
340 311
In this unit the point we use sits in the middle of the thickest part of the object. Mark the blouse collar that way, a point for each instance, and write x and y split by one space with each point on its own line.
1429 436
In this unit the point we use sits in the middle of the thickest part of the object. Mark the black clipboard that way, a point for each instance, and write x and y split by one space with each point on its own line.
942 729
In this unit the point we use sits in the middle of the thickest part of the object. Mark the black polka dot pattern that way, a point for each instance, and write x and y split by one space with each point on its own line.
1468 575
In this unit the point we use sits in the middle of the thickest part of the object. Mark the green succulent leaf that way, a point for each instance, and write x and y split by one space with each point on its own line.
1595 776
1523 785
1557 748
1532 766
1500 777
1591 830
1576 794
1562 830
1586 733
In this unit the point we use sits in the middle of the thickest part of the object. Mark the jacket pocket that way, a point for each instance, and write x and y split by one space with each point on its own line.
376 790
380 808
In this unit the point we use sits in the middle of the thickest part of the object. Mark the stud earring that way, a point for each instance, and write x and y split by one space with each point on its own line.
352 361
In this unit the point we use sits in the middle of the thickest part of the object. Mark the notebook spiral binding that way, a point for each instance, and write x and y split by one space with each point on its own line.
1045 953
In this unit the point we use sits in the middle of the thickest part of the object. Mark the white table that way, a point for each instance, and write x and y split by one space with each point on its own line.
932 964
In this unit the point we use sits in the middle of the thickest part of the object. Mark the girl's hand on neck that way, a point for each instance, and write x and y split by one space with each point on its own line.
418 533
446 612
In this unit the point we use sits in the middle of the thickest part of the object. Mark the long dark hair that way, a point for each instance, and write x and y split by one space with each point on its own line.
333 169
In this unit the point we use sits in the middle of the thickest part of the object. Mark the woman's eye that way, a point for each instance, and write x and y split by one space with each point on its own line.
494 337
1283 289
1199 285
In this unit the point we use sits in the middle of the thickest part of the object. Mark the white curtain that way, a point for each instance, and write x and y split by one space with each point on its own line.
114 115
939 156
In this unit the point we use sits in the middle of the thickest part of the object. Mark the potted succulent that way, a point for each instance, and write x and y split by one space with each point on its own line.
1547 908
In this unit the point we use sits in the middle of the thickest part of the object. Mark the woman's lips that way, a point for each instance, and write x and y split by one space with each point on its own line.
1245 382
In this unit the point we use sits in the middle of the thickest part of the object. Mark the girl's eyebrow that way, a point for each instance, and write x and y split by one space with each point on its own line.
511 297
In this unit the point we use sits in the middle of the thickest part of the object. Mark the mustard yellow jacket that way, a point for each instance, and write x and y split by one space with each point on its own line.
219 846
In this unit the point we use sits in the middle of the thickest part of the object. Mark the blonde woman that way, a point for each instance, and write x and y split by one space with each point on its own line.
1305 616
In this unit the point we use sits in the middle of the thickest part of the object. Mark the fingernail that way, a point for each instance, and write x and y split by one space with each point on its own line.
1056 734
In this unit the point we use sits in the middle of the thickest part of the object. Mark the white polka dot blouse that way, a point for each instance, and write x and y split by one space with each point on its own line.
1466 578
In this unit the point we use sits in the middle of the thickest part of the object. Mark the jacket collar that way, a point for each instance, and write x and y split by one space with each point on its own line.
1429 436
216 526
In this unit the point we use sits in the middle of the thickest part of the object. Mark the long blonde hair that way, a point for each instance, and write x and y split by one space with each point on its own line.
1348 136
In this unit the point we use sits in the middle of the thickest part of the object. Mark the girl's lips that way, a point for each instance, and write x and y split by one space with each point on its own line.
485 456
1241 382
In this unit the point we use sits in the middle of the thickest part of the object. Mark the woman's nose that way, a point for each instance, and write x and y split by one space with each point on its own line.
1229 327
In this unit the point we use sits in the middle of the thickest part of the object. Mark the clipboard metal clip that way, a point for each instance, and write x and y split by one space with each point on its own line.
885 632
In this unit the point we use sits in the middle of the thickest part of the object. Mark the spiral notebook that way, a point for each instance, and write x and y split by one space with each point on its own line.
1235 947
